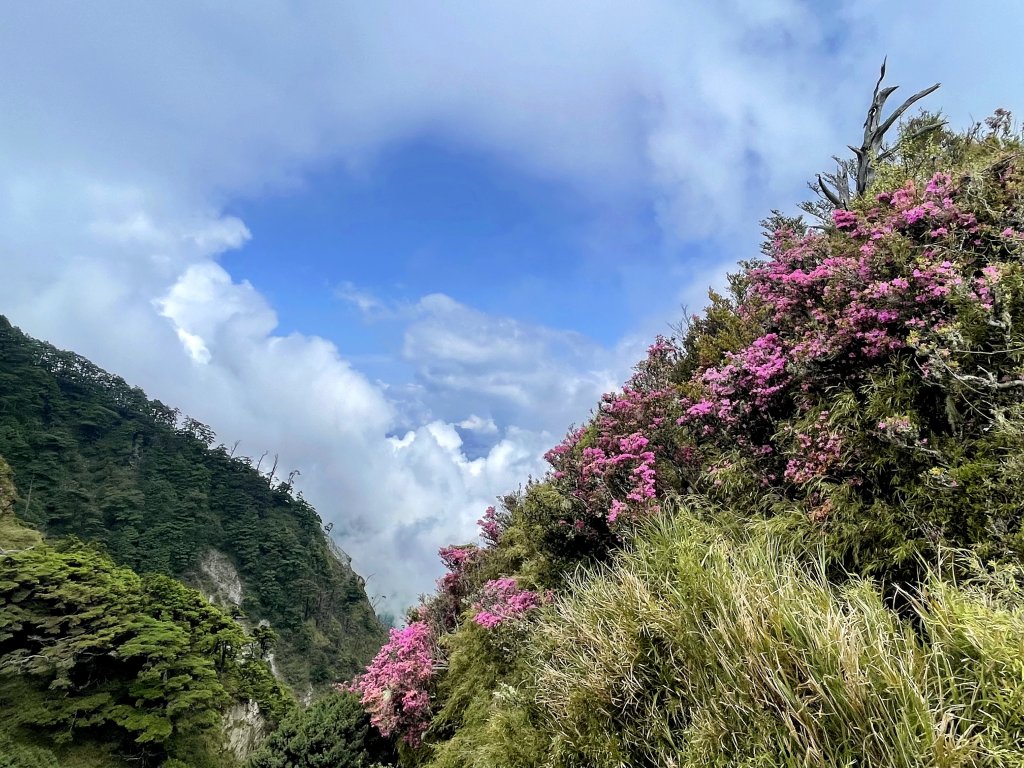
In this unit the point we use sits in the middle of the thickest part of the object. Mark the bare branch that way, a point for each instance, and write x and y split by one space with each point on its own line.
273 471
989 383
870 151
829 195
903 107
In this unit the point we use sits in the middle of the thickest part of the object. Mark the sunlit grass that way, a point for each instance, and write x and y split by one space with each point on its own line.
696 650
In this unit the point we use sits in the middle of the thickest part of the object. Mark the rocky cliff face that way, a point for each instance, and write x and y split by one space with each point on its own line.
244 729
218 579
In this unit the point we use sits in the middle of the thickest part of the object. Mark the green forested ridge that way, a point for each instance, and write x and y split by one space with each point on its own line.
100 666
95 458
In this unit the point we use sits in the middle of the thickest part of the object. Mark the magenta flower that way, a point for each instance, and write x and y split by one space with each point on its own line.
502 601
394 690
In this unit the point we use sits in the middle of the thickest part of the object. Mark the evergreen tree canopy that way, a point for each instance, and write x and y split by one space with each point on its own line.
333 732
91 650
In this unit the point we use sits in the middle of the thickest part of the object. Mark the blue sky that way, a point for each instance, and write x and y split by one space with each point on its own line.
432 217
406 245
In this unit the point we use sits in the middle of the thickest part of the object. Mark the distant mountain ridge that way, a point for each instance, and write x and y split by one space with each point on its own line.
95 458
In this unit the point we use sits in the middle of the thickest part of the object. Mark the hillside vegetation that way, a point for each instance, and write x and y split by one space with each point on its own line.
793 538
99 666
94 458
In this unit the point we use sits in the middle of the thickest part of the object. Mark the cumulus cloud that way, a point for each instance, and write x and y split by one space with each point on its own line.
131 128
478 424
469 362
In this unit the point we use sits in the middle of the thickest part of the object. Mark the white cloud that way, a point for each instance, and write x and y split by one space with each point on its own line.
653 95
130 128
469 362
479 424
370 306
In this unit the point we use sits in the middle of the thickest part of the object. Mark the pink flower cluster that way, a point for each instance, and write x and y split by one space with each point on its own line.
491 527
751 379
855 304
627 468
611 469
502 600
984 285
898 425
738 395
442 610
395 689
457 558
829 308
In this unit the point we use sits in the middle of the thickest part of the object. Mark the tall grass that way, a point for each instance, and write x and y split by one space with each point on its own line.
699 650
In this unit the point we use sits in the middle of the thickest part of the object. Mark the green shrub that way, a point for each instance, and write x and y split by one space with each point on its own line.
333 732
13 755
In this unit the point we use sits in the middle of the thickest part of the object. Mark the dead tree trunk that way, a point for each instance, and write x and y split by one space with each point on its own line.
836 187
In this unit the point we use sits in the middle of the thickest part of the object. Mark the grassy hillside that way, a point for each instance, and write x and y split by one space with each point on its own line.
94 458
794 537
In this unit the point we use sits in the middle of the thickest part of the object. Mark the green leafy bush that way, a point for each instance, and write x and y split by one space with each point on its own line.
14 755
333 732
91 650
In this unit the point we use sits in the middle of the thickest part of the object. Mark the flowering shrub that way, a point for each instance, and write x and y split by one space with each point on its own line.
491 527
817 450
737 395
855 300
395 689
862 386
441 610
611 469
895 279
917 276
502 601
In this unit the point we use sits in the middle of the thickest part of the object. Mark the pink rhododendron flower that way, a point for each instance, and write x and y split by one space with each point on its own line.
490 527
394 690
502 601
615 474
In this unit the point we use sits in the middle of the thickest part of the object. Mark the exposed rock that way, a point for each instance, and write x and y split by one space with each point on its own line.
244 729
219 579
339 554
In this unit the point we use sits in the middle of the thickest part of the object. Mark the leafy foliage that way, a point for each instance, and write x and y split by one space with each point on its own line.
333 732
14 755
94 458
92 651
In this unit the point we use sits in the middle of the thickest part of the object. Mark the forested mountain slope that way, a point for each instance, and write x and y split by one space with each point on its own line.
95 458
102 668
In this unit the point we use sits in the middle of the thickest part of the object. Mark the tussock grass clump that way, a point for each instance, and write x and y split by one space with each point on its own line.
697 649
